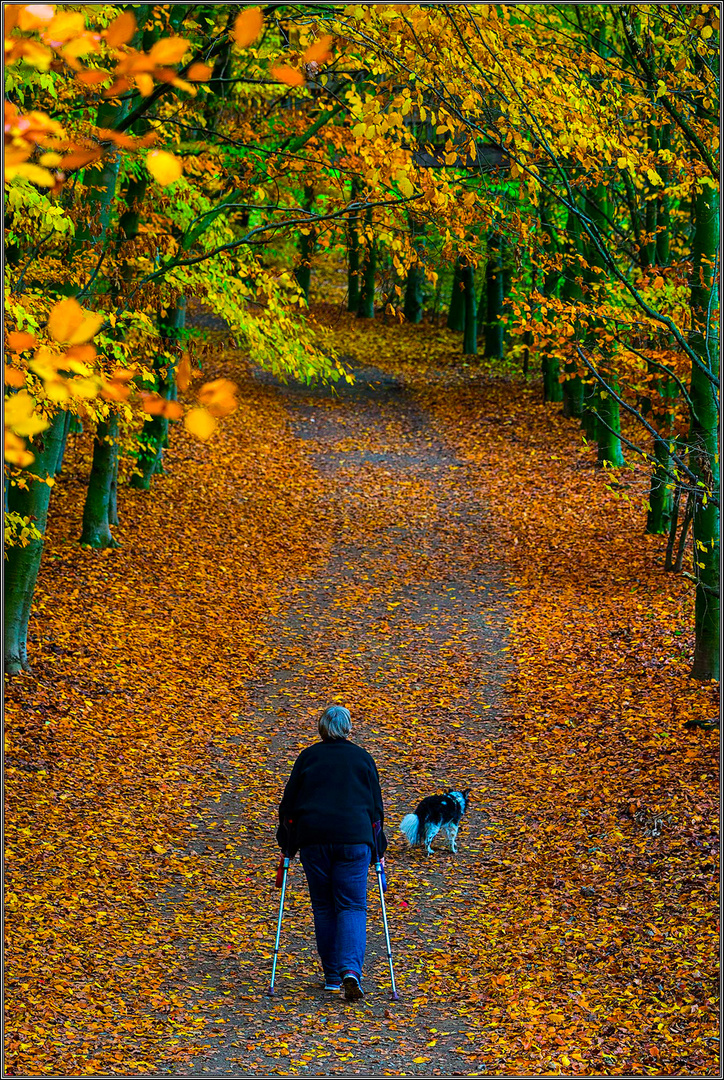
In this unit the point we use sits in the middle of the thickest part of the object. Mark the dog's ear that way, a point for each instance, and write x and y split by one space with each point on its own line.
466 792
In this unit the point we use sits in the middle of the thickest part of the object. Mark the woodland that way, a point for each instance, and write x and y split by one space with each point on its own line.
364 353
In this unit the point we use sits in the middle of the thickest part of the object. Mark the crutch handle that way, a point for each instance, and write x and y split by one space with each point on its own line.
280 872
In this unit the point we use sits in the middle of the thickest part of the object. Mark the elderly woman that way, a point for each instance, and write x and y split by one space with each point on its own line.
331 811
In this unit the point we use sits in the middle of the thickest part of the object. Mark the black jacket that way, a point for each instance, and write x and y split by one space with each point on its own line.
332 797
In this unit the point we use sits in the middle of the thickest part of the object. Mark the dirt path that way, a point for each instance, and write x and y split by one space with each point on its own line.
405 623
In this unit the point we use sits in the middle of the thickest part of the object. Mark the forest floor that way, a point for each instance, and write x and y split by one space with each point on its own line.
432 547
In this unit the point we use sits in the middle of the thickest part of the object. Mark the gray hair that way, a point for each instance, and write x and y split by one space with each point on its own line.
335 722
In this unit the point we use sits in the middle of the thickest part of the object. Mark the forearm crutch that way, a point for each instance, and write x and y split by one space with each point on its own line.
382 884
284 869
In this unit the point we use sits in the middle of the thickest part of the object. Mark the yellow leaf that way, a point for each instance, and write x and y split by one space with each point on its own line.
319 51
20 415
121 30
419 1060
159 850
15 452
406 187
169 50
200 423
706 32
163 167
248 26
31 172
287 75
65 25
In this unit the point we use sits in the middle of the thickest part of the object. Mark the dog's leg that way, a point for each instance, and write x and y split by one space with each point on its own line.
430 833
452 832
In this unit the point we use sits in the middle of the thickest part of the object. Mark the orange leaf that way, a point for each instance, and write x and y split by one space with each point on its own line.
248 26
13 377
92 76
20 340
169 50
219 397
77 159
153 404
173 411
144 83
319 52
199 72
116 88
183 373
121 30
69 323
287 75
85 354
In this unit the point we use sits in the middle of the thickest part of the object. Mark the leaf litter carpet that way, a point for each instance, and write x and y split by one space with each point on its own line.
378 547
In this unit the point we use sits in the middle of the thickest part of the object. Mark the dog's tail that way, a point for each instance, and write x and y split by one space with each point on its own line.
410 828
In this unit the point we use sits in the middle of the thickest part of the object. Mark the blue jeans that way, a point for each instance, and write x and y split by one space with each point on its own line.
337 879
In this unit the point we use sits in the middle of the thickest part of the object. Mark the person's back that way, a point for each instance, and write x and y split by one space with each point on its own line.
332 812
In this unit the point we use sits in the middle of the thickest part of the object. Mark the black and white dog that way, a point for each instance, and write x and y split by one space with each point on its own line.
434 813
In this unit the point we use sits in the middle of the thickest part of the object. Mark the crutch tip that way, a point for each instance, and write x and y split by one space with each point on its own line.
270 992
394 996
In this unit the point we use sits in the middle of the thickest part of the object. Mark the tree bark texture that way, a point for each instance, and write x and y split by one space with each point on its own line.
96 524
495 282
704 441
456 311
22 563
470 327
552 388
366 308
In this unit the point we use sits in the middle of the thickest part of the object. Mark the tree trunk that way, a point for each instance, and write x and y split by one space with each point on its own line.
63 443
413 304
470 327
456 311
307 243
413 295
366 308
22 563
96 524
154 434
113 497
704 443
353 275
570 293
495 296
664 210
609 427
552 389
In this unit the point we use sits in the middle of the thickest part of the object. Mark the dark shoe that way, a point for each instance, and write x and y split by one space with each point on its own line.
352 988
